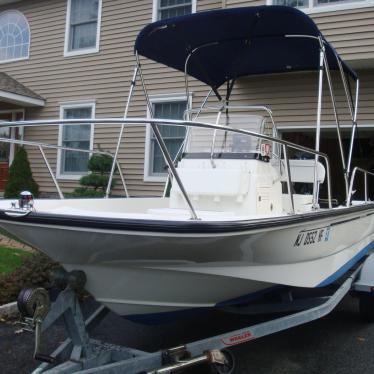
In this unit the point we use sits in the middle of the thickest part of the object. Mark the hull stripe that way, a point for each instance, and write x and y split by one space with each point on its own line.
340 272
155 318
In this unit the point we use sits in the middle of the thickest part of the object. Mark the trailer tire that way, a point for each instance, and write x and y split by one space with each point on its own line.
228 368
366 307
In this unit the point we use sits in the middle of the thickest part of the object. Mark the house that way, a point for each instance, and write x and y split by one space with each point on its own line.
74 59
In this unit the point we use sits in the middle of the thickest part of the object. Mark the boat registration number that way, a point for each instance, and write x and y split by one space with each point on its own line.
307 237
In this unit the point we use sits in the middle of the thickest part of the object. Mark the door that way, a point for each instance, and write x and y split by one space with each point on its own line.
7 150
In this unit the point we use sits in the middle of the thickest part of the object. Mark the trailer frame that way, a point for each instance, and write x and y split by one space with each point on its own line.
81 354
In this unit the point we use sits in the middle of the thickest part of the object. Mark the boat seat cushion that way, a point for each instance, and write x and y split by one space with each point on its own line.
303 171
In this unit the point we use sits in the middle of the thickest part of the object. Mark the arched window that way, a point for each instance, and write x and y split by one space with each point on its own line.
14 36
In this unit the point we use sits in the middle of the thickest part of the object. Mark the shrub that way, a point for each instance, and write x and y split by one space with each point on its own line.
85 192
100 163
95 183
34 272
20 176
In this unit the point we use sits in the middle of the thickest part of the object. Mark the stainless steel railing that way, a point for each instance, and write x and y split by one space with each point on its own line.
42 146
165 122
352 181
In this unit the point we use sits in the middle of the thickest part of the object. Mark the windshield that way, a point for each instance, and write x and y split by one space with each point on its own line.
201 140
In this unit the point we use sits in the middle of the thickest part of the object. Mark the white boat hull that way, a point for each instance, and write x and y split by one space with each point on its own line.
136 272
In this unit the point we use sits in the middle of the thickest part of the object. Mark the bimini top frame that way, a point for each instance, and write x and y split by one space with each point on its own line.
217 47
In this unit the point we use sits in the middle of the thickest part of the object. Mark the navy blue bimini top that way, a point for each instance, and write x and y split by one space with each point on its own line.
237 42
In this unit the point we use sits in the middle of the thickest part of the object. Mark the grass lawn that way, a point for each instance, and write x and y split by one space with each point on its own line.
11 258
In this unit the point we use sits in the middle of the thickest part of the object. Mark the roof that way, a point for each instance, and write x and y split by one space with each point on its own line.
13 91
231 43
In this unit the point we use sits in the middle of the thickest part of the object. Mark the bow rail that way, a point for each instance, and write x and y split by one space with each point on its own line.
165 122
365 173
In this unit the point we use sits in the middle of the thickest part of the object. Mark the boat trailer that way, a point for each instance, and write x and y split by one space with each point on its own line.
81 354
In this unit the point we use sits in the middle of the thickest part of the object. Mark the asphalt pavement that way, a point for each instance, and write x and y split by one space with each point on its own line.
339 343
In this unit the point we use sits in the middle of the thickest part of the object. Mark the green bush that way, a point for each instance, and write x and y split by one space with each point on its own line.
100 163
20 177
95 183
34 272
85 192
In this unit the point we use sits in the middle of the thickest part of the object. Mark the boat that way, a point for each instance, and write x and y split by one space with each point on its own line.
230 225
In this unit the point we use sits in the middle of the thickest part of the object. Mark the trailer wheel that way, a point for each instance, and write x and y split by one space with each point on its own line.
366 307
228 367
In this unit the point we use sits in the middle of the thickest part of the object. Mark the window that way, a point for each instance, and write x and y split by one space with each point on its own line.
72 164
322 2
172 108
316 6
172 8
292 3
14 36
82 27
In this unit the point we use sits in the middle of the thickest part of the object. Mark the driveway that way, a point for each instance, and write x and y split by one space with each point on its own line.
337 344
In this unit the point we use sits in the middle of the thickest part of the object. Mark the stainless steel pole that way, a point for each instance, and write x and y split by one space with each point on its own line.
318 129
163 147
122 179
187 86
121 132
345 85
353 113
356 100
172 168
354 128
337 122
51 172
289 181
182 147
328 170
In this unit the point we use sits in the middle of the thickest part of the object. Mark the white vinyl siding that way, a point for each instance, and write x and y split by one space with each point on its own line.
14 36
72 165
82 27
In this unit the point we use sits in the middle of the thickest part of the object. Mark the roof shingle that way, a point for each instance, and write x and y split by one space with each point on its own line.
9 84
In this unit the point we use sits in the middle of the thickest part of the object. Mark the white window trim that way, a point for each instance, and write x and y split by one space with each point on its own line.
28 25
16 59
162 98
70 105
83 51
155 9
312 9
